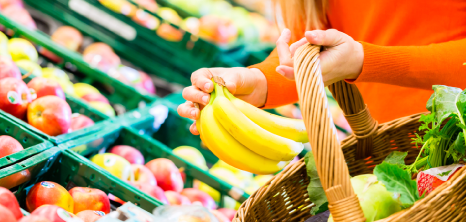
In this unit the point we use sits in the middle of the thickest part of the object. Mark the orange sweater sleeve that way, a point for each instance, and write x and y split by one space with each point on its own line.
415 66
280 90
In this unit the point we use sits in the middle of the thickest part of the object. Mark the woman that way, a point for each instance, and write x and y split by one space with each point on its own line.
393 50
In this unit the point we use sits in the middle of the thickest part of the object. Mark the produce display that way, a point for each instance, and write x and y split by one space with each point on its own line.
396 185
215 21
161 178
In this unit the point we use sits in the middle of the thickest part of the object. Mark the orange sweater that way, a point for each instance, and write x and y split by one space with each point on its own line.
409 45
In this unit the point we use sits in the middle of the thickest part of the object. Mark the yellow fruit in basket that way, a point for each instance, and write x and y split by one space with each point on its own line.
240 174
224 146
251 135
4 45
114 164
105 108
261 180
61 77
120 6
169 15
30 66
227 176
22 49
82 89
191 155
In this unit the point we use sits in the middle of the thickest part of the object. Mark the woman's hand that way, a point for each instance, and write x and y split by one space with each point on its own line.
342 57
249 85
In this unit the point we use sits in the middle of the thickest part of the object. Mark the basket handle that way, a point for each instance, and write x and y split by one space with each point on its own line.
359 118
330 162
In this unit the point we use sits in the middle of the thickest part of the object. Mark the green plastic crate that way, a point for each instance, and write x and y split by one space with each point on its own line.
70 169
151 149
173 61
32 143
116 92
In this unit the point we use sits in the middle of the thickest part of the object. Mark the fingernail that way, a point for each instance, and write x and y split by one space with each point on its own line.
193 113
207 86
281 72
313 35
205 99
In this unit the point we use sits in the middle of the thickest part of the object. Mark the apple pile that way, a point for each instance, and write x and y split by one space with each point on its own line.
50 202
101 56
159 178
14 9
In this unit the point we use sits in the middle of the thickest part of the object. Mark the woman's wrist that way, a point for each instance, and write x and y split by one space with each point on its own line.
260 91
358 61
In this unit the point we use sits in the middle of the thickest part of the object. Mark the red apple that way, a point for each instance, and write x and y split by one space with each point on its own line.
101 56
150 5
19 15
8 68
229 213
146 83
89 199
6 215
53 213
50 114
176 199
130 153
195 195
45 87
167 175
220 217
66 36
154 191
15 179
90 215
8 200
79 121
95 97
145 19
116 199
14 97
9 145
47 192
34 218
142 175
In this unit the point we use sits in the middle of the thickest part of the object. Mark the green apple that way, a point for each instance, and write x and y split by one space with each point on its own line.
22 49
191 155
261 180
29 66
114 164
227 176
61 77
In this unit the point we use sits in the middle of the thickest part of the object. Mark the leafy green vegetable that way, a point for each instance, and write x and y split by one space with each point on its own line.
398 181
315 190
396 157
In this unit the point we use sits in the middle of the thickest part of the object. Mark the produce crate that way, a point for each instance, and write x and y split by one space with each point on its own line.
150 149
70 169
32 143
121 96
173 61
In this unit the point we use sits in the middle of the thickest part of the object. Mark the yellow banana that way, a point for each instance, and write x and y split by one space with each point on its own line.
250 134
293 129
225 147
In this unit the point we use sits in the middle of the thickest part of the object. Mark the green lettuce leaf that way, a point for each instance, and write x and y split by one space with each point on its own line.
315 190
398 181
443 102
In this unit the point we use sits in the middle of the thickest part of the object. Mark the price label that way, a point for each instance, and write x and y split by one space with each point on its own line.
102 18
160 113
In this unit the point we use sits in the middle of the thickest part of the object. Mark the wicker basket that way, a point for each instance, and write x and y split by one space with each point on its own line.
285 197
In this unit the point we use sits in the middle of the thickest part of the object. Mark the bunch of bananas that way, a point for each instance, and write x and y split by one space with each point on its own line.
247 137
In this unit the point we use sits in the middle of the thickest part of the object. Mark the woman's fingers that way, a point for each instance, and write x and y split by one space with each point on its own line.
283 49
192 93
202 80
286 71
188 110
329 37
193 129
296 45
